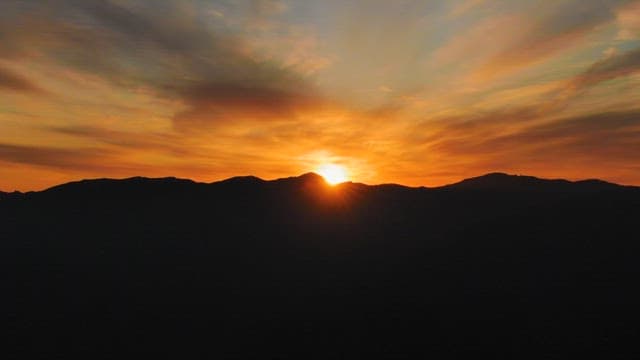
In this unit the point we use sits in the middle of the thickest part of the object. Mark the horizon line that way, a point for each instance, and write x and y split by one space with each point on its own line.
316 174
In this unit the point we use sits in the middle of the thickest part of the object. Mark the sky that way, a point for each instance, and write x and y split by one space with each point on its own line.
410 92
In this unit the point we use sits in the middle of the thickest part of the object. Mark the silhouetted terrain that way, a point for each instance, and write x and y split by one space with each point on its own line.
512 266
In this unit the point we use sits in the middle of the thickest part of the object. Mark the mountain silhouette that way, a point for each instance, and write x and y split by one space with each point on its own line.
499 265
505 182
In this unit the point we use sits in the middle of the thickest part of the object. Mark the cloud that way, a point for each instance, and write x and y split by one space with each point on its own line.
465 6
480 41
15 82
543 134
59 158
69 163
148 141
601 145
560 28
262 11
547 99
629 21
213 102
206 64
614 66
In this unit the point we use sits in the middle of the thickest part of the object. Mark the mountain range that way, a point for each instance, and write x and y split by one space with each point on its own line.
500 265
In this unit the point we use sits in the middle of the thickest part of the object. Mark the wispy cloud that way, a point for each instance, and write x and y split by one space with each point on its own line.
629 21
173 56
16 82
555 29
59 158
614 66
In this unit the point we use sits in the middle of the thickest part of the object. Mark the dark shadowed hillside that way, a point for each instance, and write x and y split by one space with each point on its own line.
509 266
506 183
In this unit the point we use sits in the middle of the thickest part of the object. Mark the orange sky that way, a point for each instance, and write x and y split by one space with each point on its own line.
410 92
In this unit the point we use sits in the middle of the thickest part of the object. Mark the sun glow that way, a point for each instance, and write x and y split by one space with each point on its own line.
332 173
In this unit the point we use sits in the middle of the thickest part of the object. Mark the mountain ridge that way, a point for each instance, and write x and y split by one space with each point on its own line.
504 181
495 181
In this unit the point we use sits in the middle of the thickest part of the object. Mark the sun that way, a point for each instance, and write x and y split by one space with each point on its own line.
332 173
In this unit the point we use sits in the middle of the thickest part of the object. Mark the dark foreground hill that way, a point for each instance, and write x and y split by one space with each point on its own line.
509 266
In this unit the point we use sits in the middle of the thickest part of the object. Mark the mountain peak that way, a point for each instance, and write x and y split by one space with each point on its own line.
248 179
306 178
509 182
311 176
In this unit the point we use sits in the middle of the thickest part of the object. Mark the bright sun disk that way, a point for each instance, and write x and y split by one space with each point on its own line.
332 173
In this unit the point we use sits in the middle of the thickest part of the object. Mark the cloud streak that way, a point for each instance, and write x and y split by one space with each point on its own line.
58 158
558 29
610 68
210 69
15 82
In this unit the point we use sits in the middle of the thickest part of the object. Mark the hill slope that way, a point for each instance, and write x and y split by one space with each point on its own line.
293 268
